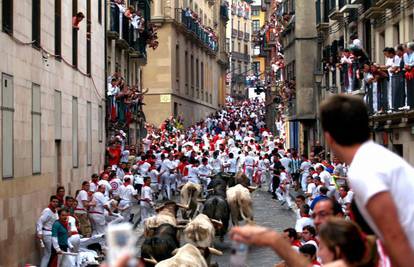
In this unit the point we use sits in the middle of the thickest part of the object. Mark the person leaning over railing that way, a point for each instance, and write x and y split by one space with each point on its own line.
409 73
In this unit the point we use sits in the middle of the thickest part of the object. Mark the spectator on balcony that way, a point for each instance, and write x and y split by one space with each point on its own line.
346 61
370 89
77 19
401 49
129 12
380 82
409 74
396 93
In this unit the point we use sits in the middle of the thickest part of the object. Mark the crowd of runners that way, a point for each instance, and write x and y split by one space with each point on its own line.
233 141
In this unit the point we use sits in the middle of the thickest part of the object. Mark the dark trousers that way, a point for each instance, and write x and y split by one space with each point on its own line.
410 93
398 91
275 184
369 98
383 95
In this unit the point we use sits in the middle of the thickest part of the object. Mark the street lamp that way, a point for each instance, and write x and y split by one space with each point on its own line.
318 76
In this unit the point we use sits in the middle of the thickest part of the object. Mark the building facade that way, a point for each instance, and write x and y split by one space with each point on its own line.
239 41
52 112
370 25
258 18
186 74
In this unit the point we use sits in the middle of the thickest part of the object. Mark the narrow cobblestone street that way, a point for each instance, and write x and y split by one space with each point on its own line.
268 213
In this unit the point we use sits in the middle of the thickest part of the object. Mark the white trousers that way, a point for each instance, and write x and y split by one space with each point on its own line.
98 223
166 183
146 211
47 250
249 173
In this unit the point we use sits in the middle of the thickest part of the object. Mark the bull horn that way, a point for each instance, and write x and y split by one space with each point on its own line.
217 223
183 206
210 190
252 188
215 251
201 200
152 260
180 227
174 251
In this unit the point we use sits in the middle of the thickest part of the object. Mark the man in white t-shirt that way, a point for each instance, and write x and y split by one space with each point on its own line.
97 212
382 182
304 219
127 193
82 209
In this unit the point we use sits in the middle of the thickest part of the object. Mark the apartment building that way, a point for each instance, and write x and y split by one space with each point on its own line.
375 24
258 18
186 74
239 40
52 111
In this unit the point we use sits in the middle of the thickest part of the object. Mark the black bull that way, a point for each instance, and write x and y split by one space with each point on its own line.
215 206
161 245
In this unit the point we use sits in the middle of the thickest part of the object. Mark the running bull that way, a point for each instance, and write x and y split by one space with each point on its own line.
240 203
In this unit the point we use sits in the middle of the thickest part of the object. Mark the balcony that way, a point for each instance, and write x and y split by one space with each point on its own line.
345 6
240 56
373 12
193 29
233 33
246 36
335 14
121 30
224 12
240 35
387 3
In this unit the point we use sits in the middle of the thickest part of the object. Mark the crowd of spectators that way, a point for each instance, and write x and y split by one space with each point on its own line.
131 25
194 23
124 102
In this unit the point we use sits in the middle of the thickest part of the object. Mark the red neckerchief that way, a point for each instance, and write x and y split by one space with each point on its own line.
316 262
60 199
126 184
296 243
96 183
306 216
53 209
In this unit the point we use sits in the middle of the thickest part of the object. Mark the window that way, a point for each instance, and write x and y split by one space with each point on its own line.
7 113
100 11
187 91
58 115
256 67
89 133
74 35
100 123
36 129
245 27
7 16
175 110
192 75
202 75
232 45
238 25
177 66
36 15
396 33
58 28
256 25
246 49
255 12
197 74
88 36
75 159
239 47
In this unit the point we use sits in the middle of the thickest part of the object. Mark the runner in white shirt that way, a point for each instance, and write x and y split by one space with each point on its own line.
128 194
146 201
249 165
97 212
105 182
204 172
44 229
115 183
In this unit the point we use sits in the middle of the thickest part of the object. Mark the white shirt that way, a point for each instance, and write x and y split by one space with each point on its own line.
232 165
82 196
146 193
100 201
108 186
127 192
144 167
326 178
302 222
375 169
115 185
153 174
45 222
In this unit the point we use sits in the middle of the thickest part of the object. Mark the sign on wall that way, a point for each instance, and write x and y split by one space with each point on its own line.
165 98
